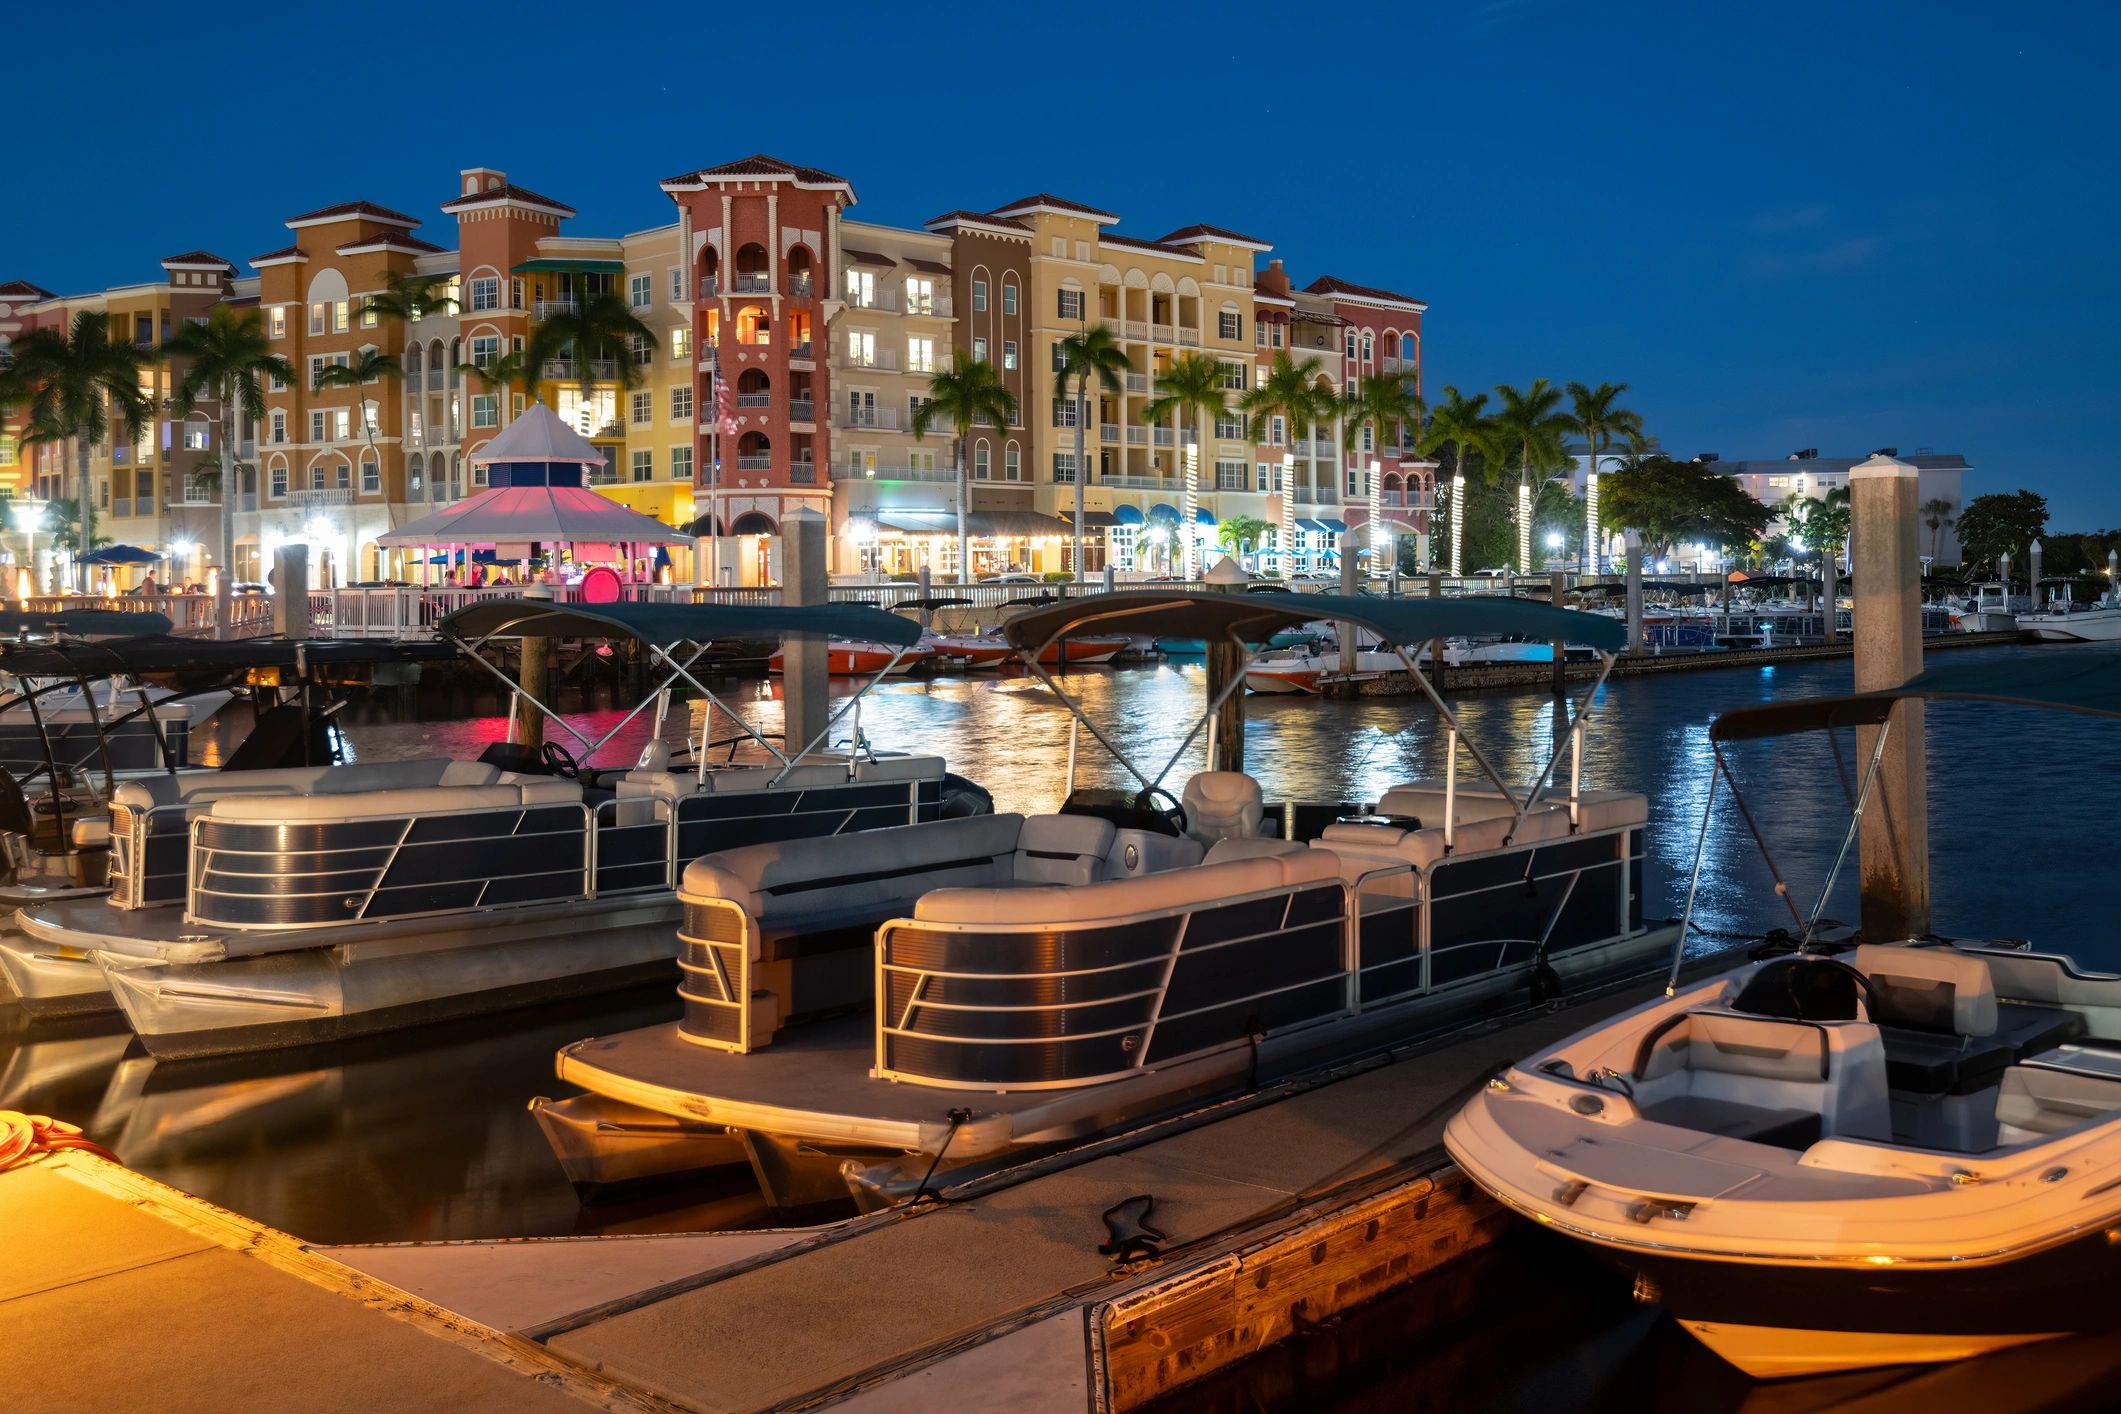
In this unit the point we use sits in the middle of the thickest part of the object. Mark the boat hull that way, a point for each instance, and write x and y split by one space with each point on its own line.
2091 626
331 993
48 980
860 660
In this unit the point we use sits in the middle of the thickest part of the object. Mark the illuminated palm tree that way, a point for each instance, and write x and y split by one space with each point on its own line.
1460 425
602 330
1090 353
72 383
964 395
1289 391
1192 385
1594 414
1529 427
227 358
368 366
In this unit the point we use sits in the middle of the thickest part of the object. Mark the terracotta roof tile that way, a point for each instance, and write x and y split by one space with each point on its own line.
1046 198
23 289
1113 238
1214 233
395 240
197 257
507 191
761 165
354 208
1334 285
281 254
983 217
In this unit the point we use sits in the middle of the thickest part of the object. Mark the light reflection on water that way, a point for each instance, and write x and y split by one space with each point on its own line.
425 1135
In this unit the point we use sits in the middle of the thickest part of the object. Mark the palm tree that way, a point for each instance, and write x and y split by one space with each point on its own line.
1462 425
1528 429
369 366
1290 391
1192 384
1596 417
1387 403
602 329
409 298
1240 534
964 395
1938 513
227 358
1089 353
512 370
72 384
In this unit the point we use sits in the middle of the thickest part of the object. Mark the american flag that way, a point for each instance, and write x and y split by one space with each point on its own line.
724 408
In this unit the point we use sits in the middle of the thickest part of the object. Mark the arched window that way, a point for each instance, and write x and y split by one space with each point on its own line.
754 452
982 460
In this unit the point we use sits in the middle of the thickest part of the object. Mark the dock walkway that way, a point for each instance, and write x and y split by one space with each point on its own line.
1279 1209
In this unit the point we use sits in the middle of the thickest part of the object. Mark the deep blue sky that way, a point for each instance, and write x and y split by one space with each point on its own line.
1830 225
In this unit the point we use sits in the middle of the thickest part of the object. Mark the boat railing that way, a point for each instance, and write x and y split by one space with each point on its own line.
633 845
150 850
385 856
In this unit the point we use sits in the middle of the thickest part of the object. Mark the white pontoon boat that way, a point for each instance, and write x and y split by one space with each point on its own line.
1843 1158
266 908
1039 979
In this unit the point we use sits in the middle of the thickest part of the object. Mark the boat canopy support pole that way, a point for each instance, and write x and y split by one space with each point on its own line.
1480 758
683 673
1245 658
824 733
471 651
1030 658
1693 883
1863 796
660 697
1583 710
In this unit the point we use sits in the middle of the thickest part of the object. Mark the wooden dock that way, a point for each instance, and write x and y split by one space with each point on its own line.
1281 1209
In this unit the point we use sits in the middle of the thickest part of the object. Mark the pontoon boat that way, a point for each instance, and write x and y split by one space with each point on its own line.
946 996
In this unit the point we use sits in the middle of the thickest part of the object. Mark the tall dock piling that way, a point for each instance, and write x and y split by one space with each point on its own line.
1634 544
805 697
1225 662
1886 576
534 674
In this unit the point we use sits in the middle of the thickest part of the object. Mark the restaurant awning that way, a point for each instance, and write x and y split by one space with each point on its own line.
1097 520
561 265
1163 512
867 257
1333 527
1201 516
1128 515
1007 524
933 267
1314 526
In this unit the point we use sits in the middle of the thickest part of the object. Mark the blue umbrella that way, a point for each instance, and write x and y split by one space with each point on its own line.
122 555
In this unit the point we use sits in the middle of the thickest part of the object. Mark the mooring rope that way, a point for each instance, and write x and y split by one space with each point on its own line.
23 1136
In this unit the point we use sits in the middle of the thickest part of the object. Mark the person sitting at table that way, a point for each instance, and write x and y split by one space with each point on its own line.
146 586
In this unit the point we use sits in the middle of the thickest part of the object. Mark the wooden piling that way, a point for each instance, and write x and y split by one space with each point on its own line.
805 580
1225 661
1886 573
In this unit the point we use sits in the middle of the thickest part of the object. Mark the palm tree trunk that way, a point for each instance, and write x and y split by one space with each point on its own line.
964 500
1082 390
85 520
225 552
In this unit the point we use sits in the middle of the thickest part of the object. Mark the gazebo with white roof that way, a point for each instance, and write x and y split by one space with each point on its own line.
536 494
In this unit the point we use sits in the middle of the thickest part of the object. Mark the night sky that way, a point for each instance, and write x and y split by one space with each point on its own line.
1801 225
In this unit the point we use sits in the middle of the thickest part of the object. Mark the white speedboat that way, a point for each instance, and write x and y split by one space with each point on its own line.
1991 608
2064 621
263 908
1842 1158
1036 980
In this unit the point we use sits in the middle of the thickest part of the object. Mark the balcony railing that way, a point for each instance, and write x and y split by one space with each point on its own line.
1108 432
894 473
710 288
802 473
1318 495
1161 333
1137 329
755 463
884 300
1163 436
802 410
801 351
1190 338
121 507
546 308
754 400
800 286
1139 483
317 497
1137 435
934 306
1392 364
1137 382
710 356
885 419
751 282
885 359
560 370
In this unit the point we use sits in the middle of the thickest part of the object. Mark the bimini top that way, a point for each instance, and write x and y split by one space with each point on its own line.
157 654
664 624
1256 617
2058 679
85 623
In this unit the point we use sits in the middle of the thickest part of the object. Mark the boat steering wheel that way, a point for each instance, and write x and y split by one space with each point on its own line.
560 761
1171 812
1873 1003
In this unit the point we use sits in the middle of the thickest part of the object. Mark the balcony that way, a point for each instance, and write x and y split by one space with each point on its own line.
1163 436
121 508
802 473
1138 483
894 473
751 283
1390 364
800 286
320 497
1137 382
1189 338
563 370
802 353
802 410
755 463
754 400
1137 435
934 306
710 288
1318 495
1108 432
883 359
883 300
1136 329
546 308
883 419
1161 333
710 358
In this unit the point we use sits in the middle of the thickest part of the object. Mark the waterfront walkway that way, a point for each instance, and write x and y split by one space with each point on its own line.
1280 1209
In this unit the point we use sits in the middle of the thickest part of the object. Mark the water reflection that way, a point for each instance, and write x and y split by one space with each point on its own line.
425 1135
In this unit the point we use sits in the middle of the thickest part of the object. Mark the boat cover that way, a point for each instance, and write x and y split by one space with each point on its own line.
1257 617
101 623
677 623
2059 680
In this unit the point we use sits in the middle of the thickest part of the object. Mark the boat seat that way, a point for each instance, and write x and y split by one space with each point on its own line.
1223 851
2033 1102
1785 1129
1222 805
190 787
1765 1064
1388 844
1938 1015
399 804
1061 849
790 885
1152 894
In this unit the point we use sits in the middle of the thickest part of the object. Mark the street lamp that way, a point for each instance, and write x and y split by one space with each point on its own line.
29 519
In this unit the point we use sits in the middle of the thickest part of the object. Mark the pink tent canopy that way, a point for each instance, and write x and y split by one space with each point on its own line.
518 515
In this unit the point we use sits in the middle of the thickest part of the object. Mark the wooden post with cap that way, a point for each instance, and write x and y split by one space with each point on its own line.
1886 578
1224 661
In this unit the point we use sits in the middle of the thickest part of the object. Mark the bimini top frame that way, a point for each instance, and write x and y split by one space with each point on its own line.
1248 621
660 629
2063 682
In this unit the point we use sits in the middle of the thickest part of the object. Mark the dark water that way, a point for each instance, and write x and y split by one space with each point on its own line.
426 1135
